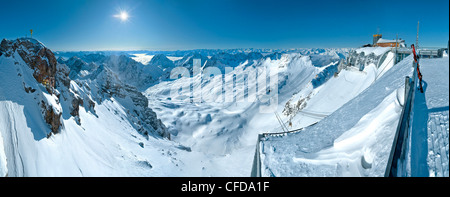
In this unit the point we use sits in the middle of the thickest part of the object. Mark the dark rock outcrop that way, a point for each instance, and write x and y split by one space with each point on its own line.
65 81
36 55
51 117
43 62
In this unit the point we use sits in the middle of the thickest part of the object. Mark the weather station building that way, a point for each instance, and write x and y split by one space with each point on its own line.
380 42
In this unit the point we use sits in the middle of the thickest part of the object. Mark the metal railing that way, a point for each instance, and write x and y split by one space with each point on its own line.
423 52
256 168
397 154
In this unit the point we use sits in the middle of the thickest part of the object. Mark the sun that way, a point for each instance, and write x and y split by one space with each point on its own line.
123 16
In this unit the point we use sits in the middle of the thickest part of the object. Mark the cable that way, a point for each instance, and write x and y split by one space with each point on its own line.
281 123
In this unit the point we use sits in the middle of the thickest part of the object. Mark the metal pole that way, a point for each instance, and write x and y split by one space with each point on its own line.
396 49
417 37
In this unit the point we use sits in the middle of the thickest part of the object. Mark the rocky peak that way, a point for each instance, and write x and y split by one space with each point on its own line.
44 64
161 60
254 56
36 55
188 60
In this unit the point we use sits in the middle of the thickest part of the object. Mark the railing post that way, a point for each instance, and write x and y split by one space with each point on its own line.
401 134
398 143
256 169
407 87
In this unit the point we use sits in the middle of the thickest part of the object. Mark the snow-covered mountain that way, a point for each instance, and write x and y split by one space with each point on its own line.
161 61
48 119
188 61
106 114
159 67
223 60
129 70
307 94
124 67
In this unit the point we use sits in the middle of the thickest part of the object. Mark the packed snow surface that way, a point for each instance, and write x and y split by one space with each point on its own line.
428 141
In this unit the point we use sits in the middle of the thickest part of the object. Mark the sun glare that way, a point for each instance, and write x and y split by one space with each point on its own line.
123 16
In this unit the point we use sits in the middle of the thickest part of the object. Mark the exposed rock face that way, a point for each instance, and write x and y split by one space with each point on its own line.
361 59
43 62
51 117
62 76
71 84
92 82
76 103
291 109
124 67
36 55
143 118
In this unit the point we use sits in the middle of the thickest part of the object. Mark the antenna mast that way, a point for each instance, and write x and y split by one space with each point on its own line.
417 37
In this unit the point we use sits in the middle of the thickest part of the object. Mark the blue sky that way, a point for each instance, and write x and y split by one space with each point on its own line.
222 24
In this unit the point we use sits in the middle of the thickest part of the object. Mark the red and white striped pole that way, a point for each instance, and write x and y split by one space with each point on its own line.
419 74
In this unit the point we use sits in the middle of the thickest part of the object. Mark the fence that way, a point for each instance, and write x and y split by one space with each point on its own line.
256 168
397 154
